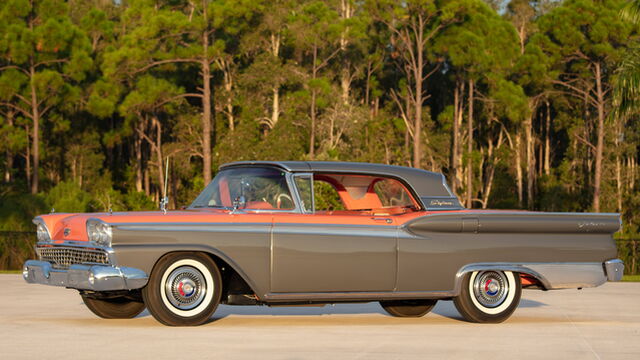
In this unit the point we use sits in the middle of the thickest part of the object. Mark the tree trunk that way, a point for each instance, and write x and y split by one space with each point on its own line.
455 136
547 141
632 172
27 158
275 107
137 144
367 89
312 110
147 182
619 183
228 87
470 147
312 136
346 12
8 153
36 133
519 168
206 117
417 124
173 187
206 100
157 146
531 167
80 167
600 141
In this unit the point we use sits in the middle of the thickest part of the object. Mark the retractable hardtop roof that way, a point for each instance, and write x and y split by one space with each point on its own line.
426 184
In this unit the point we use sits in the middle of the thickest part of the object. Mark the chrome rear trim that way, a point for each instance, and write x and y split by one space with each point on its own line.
552 275
614 269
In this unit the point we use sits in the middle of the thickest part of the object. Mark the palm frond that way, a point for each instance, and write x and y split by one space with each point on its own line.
631 11
626 84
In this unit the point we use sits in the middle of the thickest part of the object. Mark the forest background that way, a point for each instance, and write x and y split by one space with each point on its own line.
511 100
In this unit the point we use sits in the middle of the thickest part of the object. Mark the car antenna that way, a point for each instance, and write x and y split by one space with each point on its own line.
165 199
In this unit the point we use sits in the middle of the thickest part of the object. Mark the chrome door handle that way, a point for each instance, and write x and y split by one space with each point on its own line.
387 220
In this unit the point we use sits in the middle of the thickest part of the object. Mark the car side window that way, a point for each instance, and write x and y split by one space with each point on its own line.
326 197
392 193
354 194
251 188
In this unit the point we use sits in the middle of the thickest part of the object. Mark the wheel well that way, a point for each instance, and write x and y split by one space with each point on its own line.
529 281
232 282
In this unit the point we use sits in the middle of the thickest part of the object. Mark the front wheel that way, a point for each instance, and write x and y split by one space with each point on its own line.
113 308
488 296
184 289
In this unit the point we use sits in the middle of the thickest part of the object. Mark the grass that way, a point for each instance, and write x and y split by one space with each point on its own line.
635 278
10 271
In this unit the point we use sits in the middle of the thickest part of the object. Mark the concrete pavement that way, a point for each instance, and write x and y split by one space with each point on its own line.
41 322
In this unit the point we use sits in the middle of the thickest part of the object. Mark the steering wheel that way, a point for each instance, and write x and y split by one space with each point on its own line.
279 199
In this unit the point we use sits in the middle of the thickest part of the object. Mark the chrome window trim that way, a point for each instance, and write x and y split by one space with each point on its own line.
446 186
297 192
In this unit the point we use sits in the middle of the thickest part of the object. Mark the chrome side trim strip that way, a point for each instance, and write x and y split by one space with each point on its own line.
356 296
551 275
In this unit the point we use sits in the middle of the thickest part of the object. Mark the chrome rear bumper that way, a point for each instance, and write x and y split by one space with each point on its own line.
85 277
614 269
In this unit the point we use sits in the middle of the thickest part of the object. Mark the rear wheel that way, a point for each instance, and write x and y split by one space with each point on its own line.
184 289
489 296
408 308
113 308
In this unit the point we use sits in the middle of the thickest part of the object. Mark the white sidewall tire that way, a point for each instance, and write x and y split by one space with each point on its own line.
210 288
505 304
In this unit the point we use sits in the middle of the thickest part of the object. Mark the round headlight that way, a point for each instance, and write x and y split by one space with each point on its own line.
42 233
99 233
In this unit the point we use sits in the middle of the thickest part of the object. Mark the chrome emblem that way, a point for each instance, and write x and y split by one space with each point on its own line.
67 231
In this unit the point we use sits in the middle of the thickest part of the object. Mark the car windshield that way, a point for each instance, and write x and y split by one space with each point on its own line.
250 188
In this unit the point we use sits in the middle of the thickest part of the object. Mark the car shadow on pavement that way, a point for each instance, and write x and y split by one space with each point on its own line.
443 308
526 303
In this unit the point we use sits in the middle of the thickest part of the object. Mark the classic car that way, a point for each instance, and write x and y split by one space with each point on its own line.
312 233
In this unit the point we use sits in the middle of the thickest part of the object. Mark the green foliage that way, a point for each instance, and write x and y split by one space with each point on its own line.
119 88
67 196
17 211
137 201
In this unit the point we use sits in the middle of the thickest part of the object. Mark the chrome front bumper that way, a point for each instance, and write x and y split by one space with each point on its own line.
84 277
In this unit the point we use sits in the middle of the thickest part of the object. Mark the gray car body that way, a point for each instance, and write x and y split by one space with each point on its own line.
426 257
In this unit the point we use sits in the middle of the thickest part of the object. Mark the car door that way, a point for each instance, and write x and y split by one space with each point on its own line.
333 253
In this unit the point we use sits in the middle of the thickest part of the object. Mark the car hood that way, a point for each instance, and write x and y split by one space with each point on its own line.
72 227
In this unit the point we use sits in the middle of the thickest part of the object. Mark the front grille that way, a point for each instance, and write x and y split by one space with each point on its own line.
63 257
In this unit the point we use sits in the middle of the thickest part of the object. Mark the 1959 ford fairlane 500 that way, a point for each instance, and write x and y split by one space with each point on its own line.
293 233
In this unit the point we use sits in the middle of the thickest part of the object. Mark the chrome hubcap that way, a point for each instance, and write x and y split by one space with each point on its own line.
185 287
490 288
